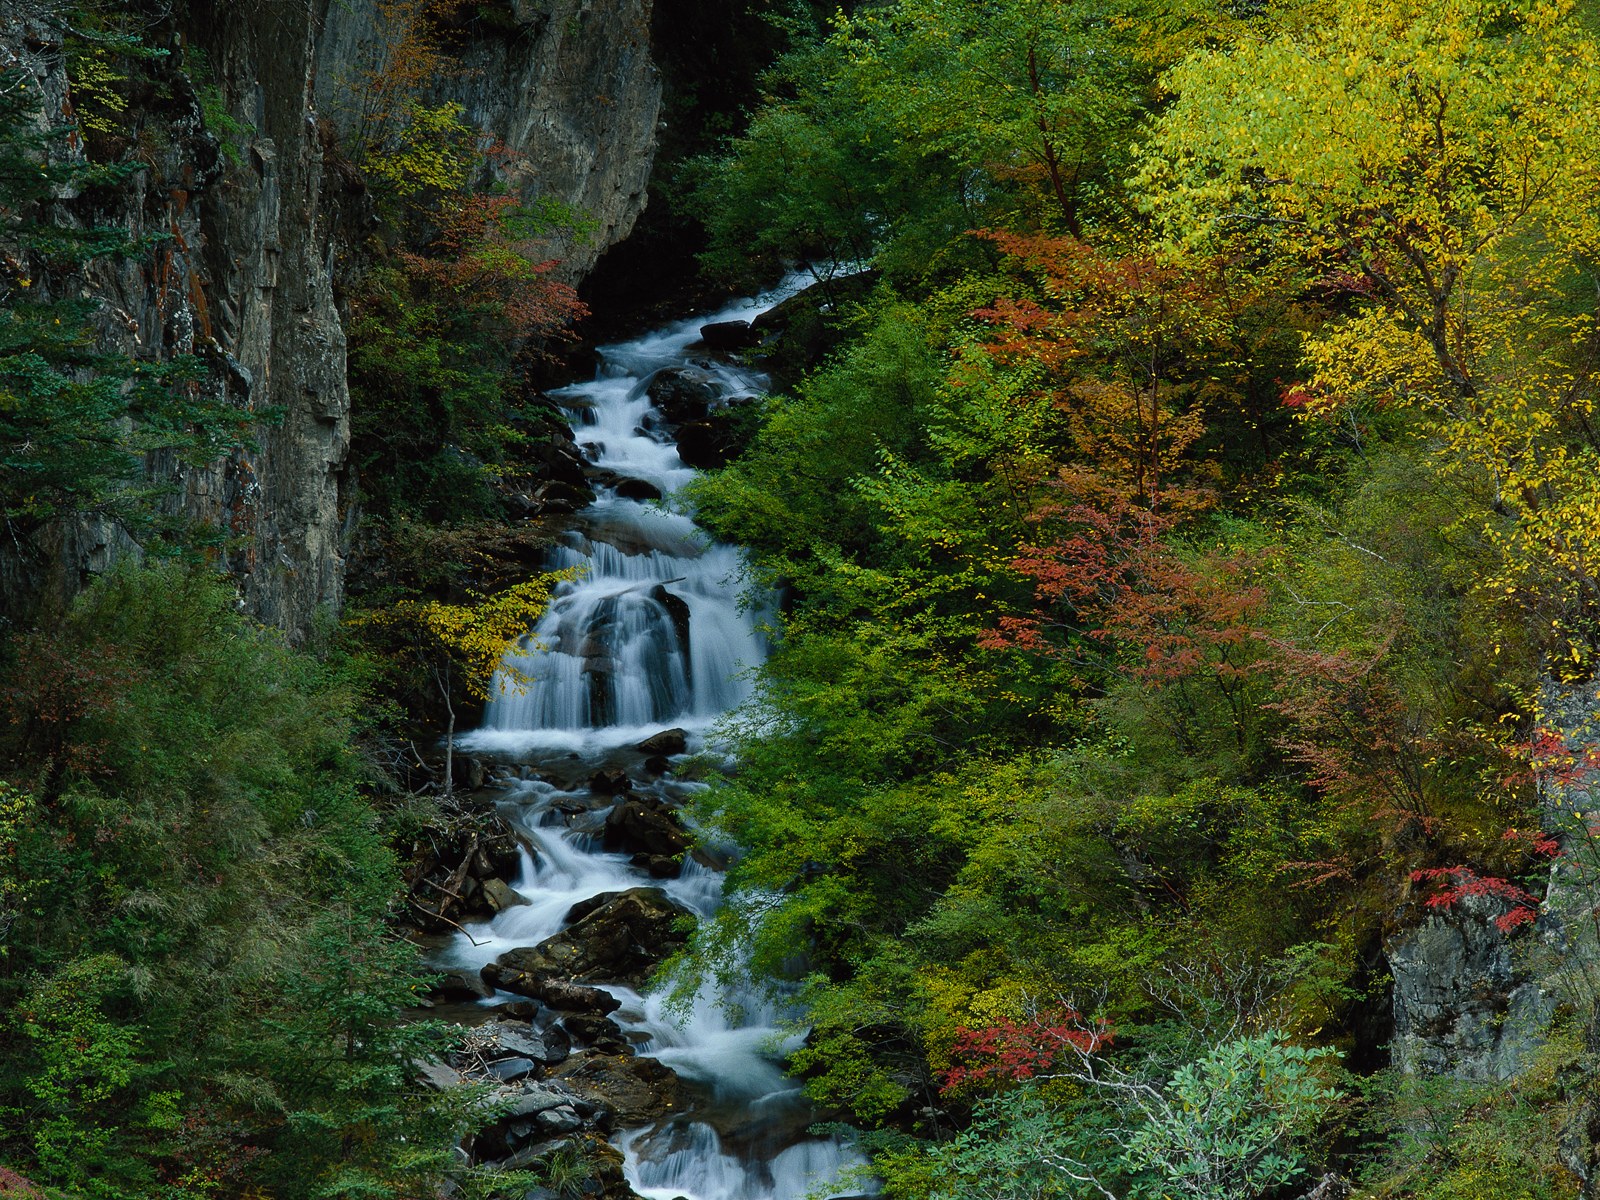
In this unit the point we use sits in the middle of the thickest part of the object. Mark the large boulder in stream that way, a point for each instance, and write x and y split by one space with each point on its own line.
615 937
503 1040
729 335
645 825
682 393
715 440
668 741
635 1090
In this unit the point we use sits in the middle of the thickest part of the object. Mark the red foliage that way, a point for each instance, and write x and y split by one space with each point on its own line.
486 263
1457 883
1111 575
1555 760
1012 1051
1112 336
1535 841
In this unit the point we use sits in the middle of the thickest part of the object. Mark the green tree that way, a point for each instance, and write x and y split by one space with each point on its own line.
200 990
76 421
916 121
1428 163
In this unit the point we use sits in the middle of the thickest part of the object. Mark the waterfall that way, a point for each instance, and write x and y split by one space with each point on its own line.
651 635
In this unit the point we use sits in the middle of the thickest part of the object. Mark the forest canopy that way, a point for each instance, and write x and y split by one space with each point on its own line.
1190 544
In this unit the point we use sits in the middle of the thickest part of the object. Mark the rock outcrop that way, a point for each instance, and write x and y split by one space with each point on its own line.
1463 1004
255 217
239 278
1474 1000
615 937
569 88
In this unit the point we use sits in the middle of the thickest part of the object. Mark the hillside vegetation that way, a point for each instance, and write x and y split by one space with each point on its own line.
1185 545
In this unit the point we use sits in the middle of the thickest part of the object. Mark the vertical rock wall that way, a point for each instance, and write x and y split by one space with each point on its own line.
240 280
567 86
266 250
244 276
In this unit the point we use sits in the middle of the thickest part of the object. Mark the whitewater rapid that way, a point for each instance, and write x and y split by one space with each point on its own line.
654 633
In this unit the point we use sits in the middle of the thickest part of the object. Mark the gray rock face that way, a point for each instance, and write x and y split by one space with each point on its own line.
242 282
243 277
568 86
1462 1005
1473 1002
547 1047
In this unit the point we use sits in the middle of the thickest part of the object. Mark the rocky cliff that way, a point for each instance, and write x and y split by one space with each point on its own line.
1474 993
568 87
250 225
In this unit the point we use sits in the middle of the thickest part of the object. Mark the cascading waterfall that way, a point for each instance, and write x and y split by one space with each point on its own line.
652 634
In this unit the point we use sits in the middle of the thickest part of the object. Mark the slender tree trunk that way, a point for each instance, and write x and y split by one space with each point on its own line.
449 734
1052 163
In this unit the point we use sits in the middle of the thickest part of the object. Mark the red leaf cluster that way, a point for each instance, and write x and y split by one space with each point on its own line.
485 263
1111 575
1013 1051
1457 883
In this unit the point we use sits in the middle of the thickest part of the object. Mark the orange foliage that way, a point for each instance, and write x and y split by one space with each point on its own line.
485 259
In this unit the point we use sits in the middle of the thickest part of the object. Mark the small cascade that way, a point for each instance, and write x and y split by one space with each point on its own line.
651 634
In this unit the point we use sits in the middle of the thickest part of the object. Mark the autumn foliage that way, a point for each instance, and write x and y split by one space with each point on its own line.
1012 1051
487 258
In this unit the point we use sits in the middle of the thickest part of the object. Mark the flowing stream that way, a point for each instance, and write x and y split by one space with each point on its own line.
651 636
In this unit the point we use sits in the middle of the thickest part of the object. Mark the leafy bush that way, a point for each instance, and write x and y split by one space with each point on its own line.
197 974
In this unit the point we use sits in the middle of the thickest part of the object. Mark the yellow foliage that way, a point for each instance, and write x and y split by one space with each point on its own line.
474 637
433 149
1434 163
97 99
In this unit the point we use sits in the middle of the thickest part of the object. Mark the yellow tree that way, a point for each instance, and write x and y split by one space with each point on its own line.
466 645
1433 163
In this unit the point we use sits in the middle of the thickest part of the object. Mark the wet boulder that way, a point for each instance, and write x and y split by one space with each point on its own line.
637 489
678 610
658 865
459 986
500 895
729 335
667 742
509 1070
534 1114
610 782
682 393
547 1047
556 495
616 937
527 972
599 1033
706 445
644 824
635 1090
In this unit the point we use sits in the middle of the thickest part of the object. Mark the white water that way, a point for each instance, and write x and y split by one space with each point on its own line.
609 668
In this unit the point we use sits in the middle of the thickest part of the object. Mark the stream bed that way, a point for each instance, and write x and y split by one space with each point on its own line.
655 634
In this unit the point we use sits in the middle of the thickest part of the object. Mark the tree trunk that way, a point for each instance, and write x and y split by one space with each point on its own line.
449 734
